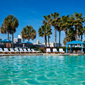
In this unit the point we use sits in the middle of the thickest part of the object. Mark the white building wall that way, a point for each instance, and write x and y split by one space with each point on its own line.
19 36
52 44
15 40
18 40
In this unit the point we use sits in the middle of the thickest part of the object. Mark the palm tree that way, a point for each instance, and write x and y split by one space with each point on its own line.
44 31
28 33
77 22
10 23
81 31
67 22
55 23
71 36
3 30
84 30
59 28
47 21
48 34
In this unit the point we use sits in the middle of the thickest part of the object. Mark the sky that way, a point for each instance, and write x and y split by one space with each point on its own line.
31 12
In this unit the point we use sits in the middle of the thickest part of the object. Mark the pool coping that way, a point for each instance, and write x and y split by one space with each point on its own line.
46 54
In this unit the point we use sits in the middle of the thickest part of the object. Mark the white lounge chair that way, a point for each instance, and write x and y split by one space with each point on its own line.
16 50
6 51
55 50
34 51
37 51
61 51
25 50
1 51
48 50
12 51
21 51
29 50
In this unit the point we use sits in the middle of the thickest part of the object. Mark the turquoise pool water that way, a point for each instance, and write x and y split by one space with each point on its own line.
42 70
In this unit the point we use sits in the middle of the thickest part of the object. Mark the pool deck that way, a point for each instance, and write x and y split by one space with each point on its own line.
46 54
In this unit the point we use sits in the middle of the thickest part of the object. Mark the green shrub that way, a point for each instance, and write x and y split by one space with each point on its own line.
64 48
8 49
35 48
41 50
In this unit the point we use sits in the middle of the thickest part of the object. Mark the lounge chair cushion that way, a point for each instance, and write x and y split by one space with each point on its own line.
16 50
48 50
33 50
61 50
55 50
6 50
29 50
21 50
25 50
11 50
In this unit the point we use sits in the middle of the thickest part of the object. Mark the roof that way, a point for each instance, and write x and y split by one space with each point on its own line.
6 41
26 41
75 42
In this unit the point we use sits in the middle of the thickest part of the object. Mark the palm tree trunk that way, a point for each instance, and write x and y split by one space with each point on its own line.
76 32
8 37
12 39
59 37
81 37
48 41
45 40
55 37
66 35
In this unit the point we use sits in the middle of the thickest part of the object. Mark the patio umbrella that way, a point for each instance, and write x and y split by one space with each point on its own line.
26 41
6 41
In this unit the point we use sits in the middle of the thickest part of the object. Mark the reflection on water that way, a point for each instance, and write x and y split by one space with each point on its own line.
42 70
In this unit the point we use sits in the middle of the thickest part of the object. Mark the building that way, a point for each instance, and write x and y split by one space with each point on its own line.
19 36
38 44
18 40
52 44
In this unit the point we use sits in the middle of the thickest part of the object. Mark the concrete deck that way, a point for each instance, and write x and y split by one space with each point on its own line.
46 54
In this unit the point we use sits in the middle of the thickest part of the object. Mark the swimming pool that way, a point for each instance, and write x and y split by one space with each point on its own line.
42 70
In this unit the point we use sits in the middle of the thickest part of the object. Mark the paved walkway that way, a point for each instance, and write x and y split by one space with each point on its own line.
30 54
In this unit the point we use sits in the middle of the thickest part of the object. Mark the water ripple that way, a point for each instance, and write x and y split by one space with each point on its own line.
42 70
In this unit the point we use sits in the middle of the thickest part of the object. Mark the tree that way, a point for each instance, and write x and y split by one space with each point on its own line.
3 30
71 36
28 33
59 28
77 22
44 31
48 34
66 24
84 30
55 23
47 21
81 32
10 24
